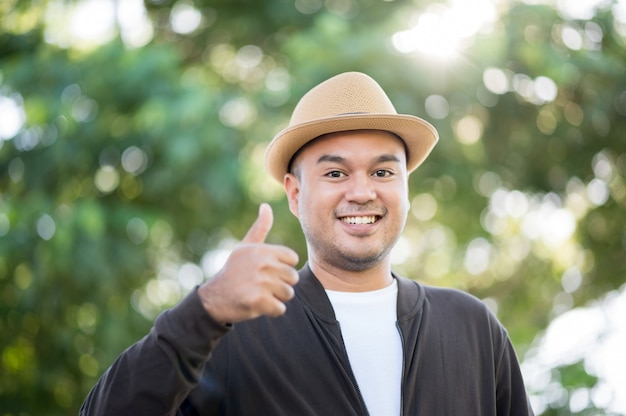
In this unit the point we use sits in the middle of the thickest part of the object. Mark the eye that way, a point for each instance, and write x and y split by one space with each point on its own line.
335 174
382 173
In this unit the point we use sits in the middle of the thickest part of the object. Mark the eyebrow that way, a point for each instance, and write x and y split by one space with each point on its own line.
338 159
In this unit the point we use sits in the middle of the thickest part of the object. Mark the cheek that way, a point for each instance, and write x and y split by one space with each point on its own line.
399 205
404 199
303 205
397 197
403 209
313 205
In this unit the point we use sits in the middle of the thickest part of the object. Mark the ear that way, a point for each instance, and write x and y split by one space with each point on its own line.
292 189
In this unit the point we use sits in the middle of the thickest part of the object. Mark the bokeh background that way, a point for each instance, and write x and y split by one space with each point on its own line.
131 161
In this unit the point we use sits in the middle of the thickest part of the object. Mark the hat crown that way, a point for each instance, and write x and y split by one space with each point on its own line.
348 93
345 102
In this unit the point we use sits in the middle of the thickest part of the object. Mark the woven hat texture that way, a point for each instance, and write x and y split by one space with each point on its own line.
348 101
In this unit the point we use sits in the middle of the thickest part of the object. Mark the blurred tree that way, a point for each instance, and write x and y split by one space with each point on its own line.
128 169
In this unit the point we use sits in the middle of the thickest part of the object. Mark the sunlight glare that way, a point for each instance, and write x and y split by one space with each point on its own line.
91 23
580 10
185 18
468 130
477 256
12 117
496 80
135 26
213 260
441 30
596 335
92 20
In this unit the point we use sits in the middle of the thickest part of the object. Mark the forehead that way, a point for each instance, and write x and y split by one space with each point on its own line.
364 143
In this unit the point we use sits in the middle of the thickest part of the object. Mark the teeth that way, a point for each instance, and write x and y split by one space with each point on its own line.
359 220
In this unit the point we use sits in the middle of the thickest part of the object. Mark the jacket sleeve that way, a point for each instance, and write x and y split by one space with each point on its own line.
511 397
156 374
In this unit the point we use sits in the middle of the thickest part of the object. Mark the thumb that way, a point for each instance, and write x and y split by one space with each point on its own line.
261 227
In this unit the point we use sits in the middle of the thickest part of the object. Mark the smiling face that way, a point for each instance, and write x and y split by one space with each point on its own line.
350 193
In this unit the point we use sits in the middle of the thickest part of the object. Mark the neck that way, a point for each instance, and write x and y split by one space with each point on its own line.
341 280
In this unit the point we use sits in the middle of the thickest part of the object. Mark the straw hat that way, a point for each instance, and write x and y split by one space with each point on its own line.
348 101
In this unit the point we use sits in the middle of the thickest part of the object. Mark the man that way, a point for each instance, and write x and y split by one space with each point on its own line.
344 335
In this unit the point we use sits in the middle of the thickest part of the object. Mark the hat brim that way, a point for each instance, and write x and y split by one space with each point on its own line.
419 136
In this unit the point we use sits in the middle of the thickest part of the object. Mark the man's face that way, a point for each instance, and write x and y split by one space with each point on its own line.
350 193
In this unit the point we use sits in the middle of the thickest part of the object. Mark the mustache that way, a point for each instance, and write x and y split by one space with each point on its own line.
360 209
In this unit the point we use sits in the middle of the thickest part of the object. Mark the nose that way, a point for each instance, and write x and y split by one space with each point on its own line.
360 189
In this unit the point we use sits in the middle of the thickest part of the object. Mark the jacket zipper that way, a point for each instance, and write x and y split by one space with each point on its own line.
403 369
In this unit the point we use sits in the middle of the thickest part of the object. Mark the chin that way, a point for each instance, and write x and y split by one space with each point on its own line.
358 263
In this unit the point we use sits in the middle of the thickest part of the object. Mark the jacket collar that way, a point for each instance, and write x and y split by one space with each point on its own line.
311 292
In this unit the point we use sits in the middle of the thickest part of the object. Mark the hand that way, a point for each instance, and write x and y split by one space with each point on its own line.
256 280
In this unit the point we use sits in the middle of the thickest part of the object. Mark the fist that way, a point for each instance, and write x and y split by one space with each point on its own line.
257 279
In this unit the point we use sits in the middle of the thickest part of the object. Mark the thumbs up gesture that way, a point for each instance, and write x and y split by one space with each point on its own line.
256 280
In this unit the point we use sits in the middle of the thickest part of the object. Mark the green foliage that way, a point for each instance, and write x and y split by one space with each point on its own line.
571 380
134 162
112 140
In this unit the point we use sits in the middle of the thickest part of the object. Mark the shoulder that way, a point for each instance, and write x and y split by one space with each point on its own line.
460 309
447 304
438 296
449 297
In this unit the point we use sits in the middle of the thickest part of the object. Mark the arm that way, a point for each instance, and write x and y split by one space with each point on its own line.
511 397
155 375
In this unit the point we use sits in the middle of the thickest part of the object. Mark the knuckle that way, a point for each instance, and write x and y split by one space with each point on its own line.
255 302
278 310
289 292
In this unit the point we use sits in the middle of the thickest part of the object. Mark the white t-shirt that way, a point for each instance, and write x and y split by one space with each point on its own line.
368 326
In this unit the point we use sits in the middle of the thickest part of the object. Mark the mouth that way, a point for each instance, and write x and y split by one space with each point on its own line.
360 220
